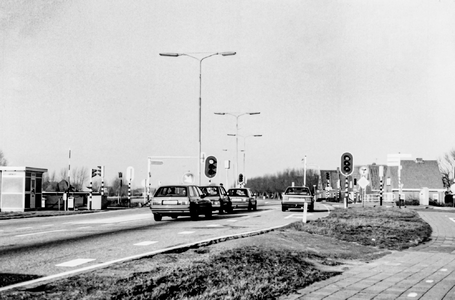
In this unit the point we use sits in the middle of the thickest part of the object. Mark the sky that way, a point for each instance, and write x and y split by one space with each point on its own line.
367 77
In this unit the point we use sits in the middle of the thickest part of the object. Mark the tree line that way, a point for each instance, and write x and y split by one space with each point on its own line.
277 183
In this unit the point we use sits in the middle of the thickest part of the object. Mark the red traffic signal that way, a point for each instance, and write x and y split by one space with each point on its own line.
210 166
240 178
347 164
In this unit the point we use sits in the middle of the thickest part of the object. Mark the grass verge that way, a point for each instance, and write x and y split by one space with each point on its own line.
260 267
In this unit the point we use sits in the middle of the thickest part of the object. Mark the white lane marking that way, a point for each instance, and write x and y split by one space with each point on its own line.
231 220
128 258
146 243
443 270
430 281
86 227
186 232
48 225
214 225
75 262
452 219
41 232
121 219
23 228
412 295
297 216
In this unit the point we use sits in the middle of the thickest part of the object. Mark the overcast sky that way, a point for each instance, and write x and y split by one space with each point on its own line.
367 77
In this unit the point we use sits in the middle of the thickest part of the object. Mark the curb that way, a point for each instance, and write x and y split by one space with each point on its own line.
181 248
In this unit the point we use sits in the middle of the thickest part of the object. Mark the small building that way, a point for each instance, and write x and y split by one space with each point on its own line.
21 188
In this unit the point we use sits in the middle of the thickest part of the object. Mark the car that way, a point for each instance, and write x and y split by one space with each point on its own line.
296 197
180 200
242 198
217 194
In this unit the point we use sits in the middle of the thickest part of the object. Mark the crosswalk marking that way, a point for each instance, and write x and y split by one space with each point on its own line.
75 262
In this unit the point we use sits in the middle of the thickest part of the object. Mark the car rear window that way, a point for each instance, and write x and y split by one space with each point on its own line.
237 192
210 191
298 191
171 191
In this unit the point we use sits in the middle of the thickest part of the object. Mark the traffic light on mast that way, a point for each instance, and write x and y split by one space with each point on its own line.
210 166
347 164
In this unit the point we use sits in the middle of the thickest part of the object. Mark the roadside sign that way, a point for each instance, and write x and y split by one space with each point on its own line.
452 188
130 173
363 171
381 171
363 182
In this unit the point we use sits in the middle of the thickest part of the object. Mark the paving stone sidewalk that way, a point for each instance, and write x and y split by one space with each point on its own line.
423 272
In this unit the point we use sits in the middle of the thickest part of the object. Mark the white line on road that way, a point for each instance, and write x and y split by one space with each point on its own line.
297 216
231 220
146 243
49 225
23 228
214 225
37 233
130 218
75 262
86 227
186 232
452 219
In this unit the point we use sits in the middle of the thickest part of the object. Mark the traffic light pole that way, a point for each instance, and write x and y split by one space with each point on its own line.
346 192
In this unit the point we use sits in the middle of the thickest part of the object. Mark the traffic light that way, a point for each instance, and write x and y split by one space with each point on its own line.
347 164
240 178
210 166
327 175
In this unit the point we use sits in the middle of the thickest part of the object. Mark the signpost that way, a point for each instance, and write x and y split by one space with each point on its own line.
381 175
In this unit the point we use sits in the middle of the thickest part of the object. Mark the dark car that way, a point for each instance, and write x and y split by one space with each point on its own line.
242 198
180 200
219 198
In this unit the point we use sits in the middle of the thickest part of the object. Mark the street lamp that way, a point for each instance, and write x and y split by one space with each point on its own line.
237 116
200 96
244 149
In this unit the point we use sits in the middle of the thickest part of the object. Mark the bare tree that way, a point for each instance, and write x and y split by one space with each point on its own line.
79 176
3 161
446 166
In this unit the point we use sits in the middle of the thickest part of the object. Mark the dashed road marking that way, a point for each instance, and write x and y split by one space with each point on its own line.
412 295
41 232
430 281
49 225
214 225
452 219
113 220
443 270
85 227
231 220
186 232
75 262
297 216
146 243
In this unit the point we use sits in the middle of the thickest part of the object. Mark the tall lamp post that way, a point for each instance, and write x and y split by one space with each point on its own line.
244 149
237 116
200 97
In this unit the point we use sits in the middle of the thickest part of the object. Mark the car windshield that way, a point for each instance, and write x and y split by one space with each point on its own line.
238 192
298 191
171 191
210 190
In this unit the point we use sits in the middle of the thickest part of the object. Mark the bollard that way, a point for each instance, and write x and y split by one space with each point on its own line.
305 209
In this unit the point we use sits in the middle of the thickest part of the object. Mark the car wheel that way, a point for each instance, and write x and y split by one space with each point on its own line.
311 208
255 207
157 217
221 211
283 208
194 214
174 217
230 210
208 213
250 206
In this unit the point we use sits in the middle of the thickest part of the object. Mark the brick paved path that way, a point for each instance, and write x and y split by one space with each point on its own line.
423 272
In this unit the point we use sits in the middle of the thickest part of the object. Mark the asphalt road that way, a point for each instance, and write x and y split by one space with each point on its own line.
54 245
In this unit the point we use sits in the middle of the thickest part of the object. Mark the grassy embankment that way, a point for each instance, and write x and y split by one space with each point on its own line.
259 267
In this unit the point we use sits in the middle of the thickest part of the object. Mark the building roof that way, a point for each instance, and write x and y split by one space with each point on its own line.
417 174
